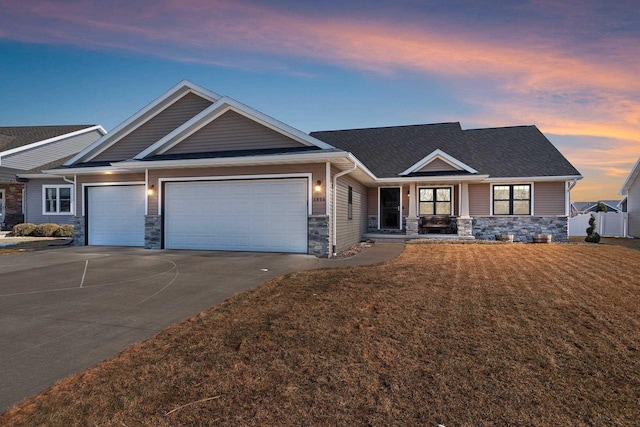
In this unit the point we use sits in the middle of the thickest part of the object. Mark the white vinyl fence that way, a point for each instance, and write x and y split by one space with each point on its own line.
607 224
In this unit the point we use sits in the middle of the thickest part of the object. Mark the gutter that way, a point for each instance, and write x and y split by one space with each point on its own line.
335 201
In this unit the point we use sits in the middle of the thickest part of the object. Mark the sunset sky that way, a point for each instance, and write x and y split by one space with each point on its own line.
570 67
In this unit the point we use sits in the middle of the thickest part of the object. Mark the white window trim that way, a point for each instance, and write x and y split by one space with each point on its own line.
57 187
510 183
418 187
3 205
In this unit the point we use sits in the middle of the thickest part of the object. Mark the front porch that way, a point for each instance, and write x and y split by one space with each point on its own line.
401 236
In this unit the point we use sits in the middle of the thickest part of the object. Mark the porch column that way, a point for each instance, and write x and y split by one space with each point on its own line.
465 222
412 217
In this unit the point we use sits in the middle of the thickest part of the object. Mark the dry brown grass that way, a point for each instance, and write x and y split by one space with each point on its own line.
453 334
28 244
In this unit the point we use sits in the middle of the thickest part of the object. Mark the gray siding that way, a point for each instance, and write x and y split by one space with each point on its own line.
633 208
155 129
33 204
35 157
549 198
479 199
232 131
349 231
437 165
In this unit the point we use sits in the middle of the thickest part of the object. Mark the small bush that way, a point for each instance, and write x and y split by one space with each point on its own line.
64 231
592 234
45 230
25 229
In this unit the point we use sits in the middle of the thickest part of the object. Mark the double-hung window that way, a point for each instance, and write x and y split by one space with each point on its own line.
512 199
56 199
434 201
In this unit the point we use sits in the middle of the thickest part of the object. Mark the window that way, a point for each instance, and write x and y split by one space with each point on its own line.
350 204
434 201
56 199
512 199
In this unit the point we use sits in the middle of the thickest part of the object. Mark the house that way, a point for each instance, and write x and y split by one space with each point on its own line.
631 192
198 170
614 206
28 149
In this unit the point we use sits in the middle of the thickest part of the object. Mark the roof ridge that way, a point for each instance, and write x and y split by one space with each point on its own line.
500 127
388 127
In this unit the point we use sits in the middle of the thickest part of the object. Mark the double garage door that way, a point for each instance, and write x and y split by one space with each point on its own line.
268 215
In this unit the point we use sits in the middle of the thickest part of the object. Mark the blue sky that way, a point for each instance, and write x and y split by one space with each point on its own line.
569 67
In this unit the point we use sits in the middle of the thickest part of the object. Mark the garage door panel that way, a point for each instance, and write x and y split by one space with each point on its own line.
260 215
116 215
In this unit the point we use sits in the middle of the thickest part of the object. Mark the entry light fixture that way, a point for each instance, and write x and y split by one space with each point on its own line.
151 190
318 187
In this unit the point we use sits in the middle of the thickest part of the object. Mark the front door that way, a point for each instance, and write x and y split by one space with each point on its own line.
1 206
390 208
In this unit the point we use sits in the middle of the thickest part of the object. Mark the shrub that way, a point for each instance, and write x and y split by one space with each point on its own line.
592 234
601 207
45 230
64 231
25 229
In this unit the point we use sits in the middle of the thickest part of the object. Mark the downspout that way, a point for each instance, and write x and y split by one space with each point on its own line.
335 201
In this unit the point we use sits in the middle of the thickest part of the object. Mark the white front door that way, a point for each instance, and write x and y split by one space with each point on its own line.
263 215
116 215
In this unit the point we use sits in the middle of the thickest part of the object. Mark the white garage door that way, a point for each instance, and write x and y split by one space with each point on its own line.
116 215
250 215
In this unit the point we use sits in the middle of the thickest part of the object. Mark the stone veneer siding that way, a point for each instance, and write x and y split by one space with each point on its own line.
79 231
464 226
318 235
12 205
153 232
523 228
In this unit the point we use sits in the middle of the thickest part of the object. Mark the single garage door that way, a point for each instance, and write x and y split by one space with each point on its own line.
268 215
116 215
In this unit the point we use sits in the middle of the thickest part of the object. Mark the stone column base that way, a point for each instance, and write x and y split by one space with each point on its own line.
318 235
413 226
79 231
465 226
153 232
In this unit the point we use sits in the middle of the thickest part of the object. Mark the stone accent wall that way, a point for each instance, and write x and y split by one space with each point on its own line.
79 231
522 228
12 205
372 223
464 226
153 232
318 235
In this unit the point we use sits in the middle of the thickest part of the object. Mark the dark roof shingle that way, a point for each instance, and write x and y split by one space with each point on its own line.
17 136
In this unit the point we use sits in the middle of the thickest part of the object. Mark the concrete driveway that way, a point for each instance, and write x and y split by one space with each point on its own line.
67 309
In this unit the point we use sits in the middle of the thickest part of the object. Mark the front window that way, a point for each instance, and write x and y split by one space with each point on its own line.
56 199
512 199
434 201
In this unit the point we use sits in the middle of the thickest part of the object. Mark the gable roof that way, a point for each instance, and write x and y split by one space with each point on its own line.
633 174
17 137
509 152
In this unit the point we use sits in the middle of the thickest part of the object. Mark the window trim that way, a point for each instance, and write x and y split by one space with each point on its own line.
57 187
512 184
451 201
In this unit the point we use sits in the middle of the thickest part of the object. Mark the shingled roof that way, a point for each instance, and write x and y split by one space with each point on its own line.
18 136
519 151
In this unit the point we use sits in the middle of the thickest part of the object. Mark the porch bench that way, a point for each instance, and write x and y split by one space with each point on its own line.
440 223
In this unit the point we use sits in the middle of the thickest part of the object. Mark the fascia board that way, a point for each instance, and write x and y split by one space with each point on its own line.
444 157
633 174
535 178
216 110
480 178
125 128
52 140
100 170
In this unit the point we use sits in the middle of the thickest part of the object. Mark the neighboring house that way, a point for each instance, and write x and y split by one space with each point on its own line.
631 191
197 170
613 206
24 151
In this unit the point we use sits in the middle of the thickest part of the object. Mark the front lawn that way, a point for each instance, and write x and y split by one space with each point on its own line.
504 334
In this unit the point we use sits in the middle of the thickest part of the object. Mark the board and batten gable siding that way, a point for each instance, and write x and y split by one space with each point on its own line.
349 231
35 157
232 131
155 129
33 204
437 165
549 198
633 208
317 170
479 199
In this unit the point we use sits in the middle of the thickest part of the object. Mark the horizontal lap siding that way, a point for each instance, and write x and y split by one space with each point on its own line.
33 203
349 231
549 198
479 199
232 131
317 170
47 153
155 129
